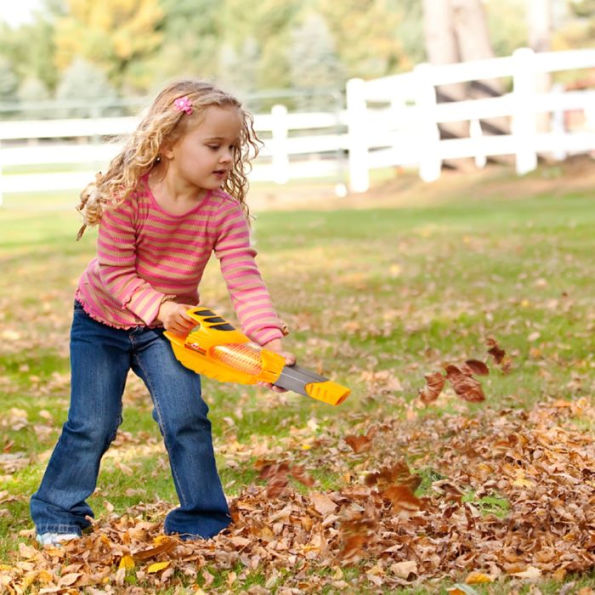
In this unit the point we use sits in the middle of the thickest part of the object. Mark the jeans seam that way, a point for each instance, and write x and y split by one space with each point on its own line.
159 415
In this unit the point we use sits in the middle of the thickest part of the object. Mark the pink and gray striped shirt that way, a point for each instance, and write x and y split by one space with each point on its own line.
145 254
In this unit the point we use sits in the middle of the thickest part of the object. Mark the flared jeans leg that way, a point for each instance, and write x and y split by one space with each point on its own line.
100 360
186 429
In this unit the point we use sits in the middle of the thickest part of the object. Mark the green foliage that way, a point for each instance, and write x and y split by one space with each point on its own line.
314 64
82 81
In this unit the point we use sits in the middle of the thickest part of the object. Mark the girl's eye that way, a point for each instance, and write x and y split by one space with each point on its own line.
213 147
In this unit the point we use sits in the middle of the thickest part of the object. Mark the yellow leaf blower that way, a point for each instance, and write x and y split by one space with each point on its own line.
214 348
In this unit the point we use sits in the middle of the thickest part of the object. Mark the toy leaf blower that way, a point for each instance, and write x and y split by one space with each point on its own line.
214 348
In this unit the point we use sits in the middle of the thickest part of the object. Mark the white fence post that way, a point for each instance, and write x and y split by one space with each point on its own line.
430 163
558 125
476 132
280 156
524 119
357 137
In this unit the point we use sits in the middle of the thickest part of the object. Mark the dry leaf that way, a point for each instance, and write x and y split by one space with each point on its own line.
434 385
476 367
401 497
158 567
126 562
358 443
477 578
465 386
323 504
404 569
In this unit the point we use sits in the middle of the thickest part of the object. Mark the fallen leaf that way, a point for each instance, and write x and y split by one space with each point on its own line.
358 443
158 567
460 589
126 562
404 569
323 504
477 578
530 572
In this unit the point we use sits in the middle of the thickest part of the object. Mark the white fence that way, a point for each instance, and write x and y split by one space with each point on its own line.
392 121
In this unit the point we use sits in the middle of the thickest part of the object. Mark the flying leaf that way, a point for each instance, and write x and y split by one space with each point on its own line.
401 497
434 385
476 367
499 355
464 385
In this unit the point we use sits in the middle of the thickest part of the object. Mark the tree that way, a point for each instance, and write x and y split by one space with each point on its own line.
113 34
85 84
314 64
9 81
457 31
365 35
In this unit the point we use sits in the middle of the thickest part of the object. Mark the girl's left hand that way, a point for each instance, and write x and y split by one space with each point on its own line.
276 345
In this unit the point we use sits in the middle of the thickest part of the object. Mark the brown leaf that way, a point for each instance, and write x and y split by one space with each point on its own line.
358 443
323 504
402 497
398 473
495 350
299 473
434 385
464 385
165 546
476 367
353 546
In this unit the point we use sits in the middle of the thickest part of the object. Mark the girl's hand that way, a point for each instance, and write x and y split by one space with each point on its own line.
276 345
174 318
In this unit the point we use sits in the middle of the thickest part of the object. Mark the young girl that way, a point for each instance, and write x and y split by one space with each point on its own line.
174 195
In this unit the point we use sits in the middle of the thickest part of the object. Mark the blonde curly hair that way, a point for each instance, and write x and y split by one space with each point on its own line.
164 123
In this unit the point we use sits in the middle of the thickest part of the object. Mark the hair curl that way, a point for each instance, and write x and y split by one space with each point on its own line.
165 124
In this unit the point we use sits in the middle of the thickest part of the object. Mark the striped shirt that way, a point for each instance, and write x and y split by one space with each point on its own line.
146 255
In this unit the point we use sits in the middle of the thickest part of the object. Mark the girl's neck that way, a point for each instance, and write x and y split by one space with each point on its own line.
171 194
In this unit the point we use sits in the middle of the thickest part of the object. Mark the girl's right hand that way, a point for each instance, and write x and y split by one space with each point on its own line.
174 318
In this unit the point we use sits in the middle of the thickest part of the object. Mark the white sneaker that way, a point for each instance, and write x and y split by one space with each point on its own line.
56 539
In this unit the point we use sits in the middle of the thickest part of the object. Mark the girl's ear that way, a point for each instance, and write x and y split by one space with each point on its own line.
167 152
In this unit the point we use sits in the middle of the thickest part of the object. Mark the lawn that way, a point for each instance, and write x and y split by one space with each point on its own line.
385 492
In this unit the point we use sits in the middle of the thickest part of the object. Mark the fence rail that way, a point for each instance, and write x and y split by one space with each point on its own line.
391 121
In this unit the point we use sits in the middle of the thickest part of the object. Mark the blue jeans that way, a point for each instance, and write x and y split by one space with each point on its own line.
101 357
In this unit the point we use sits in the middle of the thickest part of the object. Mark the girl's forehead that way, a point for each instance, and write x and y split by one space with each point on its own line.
217 117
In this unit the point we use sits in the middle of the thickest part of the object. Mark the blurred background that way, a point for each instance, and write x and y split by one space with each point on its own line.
67 60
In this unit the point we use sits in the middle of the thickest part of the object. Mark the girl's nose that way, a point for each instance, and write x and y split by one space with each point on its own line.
226 156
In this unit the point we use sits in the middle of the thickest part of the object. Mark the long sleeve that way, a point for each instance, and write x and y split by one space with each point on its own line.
247 289
117 260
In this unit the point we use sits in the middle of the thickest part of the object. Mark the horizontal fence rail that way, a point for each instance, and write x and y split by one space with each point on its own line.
386 122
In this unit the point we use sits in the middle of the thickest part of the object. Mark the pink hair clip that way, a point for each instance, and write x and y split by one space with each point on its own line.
183 105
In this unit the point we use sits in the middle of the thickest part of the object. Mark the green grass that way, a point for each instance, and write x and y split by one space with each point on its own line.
363 291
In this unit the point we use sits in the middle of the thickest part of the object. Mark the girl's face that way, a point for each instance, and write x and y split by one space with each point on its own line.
204 156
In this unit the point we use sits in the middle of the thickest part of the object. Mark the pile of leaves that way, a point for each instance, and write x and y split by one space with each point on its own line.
502 495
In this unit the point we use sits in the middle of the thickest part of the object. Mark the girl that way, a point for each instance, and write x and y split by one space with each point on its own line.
171 197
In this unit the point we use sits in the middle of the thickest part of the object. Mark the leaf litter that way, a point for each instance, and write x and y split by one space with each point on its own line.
397 525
